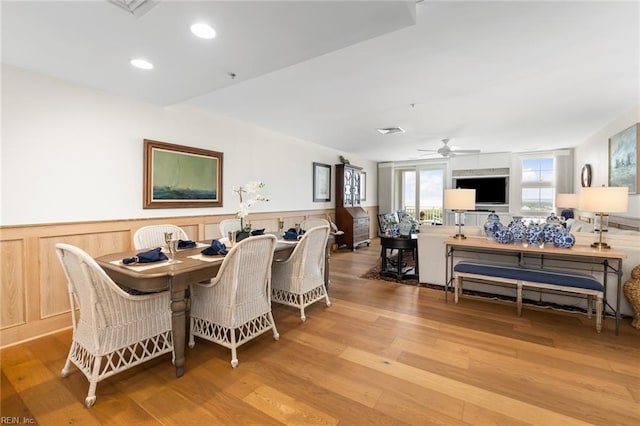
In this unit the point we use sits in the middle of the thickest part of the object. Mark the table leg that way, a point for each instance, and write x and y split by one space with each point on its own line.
178 326
383 261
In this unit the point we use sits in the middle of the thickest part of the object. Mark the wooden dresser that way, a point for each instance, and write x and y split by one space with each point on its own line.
351 218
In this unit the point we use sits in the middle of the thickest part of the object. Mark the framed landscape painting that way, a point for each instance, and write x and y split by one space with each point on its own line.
623 159
177 176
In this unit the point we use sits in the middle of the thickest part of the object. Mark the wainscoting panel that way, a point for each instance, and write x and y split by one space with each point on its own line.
12 309
53 283
33 293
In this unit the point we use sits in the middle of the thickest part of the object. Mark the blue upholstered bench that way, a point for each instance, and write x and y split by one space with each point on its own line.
521 276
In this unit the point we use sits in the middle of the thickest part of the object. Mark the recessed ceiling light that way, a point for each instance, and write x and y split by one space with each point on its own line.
142 64
203 30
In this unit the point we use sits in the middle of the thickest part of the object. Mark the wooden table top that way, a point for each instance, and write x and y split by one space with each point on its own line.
576 250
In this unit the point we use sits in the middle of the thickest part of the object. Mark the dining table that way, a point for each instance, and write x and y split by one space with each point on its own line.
189 266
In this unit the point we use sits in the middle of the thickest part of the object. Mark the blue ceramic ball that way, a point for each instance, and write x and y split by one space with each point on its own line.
564 240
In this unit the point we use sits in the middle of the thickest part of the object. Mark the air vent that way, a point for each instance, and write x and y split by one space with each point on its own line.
389 130
135 7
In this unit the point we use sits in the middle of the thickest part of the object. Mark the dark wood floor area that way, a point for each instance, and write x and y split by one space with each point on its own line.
383 353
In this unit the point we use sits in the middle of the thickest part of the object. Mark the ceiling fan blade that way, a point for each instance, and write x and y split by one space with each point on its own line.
428 150
466 151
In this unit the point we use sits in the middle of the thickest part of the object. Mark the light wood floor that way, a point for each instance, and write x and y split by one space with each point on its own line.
383 353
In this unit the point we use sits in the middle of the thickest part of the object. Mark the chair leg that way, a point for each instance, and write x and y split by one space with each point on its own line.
93 382
234 354
67 365
301 301
192 341
276 335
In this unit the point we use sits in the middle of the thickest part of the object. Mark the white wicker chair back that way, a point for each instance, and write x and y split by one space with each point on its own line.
312 222
227 226
153 236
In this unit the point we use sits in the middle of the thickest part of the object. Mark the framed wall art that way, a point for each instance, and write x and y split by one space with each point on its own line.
177 176
623 159
321 182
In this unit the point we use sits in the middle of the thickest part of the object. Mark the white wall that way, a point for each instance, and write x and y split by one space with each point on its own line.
70 153
595 151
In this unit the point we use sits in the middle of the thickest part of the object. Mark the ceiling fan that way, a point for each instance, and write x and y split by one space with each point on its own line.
446 151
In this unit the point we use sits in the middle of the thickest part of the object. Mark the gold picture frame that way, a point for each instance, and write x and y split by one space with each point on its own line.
177 176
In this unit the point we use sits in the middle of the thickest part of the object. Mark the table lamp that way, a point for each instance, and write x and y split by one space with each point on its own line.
603 200
567 202
459 200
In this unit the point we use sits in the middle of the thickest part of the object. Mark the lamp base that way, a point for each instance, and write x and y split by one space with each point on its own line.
600 245
459 237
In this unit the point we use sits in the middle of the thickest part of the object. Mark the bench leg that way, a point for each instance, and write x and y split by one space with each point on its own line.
589 306
457 284
519 299
599 314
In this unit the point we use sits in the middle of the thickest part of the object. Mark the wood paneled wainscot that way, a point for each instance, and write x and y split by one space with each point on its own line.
34 298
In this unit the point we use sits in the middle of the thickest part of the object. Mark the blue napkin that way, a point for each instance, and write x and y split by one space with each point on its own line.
257 232
155 255
186 244
291 234
216 248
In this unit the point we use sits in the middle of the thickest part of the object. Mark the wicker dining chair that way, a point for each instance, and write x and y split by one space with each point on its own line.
235 306
115 330
299 280
312 222
228 225
153 236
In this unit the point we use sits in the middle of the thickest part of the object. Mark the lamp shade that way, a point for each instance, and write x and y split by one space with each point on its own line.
459 199
604 199
567 201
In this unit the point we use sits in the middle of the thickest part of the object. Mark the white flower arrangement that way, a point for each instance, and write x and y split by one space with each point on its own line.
249 195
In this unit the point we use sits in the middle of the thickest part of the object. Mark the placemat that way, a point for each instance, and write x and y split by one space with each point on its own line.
144 266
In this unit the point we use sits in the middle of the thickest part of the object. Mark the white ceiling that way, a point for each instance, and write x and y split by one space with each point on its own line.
495 76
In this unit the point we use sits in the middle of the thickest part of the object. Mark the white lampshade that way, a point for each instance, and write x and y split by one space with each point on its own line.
567 201
459 199
604 199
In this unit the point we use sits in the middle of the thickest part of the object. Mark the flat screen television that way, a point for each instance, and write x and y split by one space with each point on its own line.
489 190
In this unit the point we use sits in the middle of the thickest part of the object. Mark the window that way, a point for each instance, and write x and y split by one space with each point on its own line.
422 190
538 184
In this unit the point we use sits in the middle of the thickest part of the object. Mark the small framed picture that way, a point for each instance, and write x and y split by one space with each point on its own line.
321 182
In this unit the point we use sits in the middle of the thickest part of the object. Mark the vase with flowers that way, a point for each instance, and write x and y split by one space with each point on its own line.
248 194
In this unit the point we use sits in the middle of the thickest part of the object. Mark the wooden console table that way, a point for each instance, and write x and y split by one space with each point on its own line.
610 260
